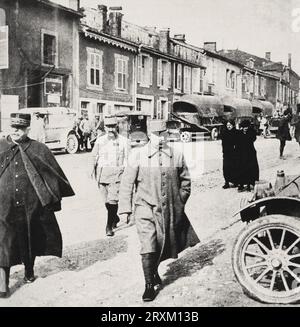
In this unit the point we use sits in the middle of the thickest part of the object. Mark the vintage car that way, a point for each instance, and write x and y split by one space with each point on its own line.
59 123
266 253
133 125
201 116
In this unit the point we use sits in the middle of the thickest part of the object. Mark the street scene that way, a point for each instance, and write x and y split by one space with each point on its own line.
143 165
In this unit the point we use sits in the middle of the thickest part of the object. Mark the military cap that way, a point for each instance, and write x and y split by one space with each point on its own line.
110 120
157 126
18 119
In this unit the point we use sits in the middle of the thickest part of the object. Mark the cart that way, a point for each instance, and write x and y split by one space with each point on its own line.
266 253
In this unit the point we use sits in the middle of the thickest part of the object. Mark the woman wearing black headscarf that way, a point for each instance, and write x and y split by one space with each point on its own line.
247 170
228 137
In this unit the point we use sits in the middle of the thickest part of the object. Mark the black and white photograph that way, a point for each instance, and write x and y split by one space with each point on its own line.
149 155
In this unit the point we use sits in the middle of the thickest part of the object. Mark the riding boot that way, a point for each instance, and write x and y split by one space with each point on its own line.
116 219
149 267
110 220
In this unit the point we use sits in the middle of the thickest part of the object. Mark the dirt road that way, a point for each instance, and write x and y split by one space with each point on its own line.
100 271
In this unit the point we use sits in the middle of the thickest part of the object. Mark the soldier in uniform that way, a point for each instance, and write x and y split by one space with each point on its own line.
163 186
109 156
32 186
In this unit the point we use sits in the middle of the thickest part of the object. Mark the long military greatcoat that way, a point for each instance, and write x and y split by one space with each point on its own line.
32 185
163 186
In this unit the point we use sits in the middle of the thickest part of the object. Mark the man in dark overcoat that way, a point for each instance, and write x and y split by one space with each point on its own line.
283 132
32 185
163 186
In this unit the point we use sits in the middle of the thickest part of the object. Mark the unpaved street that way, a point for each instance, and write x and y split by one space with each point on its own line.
100 271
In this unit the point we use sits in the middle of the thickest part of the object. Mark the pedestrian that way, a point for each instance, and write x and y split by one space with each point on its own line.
229 138
32 185
37 128
283 132
247 165
86 130
109 157
296 123
163 186
78 132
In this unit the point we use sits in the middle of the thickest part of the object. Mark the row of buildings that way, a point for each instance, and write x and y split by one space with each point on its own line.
94 61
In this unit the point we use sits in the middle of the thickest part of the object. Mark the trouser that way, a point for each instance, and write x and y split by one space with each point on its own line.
282 145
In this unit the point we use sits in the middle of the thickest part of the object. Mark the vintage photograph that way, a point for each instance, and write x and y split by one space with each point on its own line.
149 153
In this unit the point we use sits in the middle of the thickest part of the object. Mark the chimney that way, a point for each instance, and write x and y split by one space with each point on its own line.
210 46
268 56
179 37
102 9
164 37
290 60
115 21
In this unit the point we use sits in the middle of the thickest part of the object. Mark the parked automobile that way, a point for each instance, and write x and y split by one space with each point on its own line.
59 124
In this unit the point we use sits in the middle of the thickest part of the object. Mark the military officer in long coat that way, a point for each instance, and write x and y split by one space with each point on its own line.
163 186
109 157
32 186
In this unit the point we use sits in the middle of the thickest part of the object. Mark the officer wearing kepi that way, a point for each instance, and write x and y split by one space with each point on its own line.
32 185
163 186
109 157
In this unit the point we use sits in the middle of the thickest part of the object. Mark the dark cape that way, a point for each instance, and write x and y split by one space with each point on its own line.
247 166
229 139
283 132
32 185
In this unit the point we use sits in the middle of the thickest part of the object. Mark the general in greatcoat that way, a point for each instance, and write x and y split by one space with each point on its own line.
163 186
32 185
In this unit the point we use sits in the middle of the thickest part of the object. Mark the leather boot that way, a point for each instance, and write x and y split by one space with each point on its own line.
149 262
116 219
110 219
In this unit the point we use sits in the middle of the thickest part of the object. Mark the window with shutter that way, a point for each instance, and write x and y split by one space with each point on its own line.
121 72
140 68
150 70
196 80
94 68
159 72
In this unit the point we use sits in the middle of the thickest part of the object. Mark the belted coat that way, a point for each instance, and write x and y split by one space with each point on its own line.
163 186
32 185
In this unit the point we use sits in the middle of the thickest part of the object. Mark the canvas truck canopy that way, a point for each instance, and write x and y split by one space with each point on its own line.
257 106
204 105
239 107
268 108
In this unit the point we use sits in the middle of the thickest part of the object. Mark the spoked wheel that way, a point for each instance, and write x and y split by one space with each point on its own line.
185 137
72 144
266 259
214 134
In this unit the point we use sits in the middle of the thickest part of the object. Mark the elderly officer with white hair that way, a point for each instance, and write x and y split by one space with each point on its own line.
109 157
163 186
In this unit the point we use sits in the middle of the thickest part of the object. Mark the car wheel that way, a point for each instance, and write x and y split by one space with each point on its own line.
185 137
266 259
72 144
214 134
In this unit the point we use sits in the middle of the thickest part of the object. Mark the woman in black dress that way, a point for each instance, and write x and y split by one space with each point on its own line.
229 137
247 167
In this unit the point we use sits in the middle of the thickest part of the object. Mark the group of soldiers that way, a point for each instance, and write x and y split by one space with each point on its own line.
151 182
